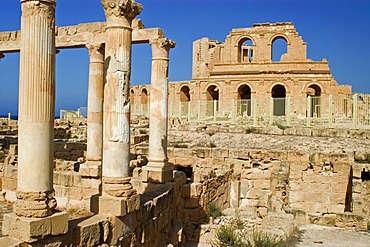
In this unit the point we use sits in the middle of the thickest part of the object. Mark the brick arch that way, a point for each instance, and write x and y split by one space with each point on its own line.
144 95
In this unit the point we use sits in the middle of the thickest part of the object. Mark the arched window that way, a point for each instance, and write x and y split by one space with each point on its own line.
245 50
185 94
315 92
144 96
132 96
212 96
278 93
244 100
279 49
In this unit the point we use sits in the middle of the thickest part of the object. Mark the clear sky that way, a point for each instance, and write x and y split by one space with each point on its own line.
338 30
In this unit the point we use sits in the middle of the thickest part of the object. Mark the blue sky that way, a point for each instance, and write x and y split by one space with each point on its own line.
338 30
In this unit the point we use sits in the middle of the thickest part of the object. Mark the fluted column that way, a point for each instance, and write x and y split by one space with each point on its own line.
33 216
116 130
95 103
158 169
36 110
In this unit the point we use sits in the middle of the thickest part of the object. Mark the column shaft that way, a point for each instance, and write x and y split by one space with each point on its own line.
36 109
116 107
95 103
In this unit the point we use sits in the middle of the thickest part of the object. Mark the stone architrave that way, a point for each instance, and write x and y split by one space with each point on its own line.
116 107
158 170
35 194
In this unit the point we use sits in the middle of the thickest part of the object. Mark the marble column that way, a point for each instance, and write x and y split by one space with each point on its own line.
116 107
158 170
35 194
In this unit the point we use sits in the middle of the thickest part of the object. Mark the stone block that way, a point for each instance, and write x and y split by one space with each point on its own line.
195 189
202 152
115 206
191 203
32 229
220 153
262 184
185 190
184 161
89 230
157 174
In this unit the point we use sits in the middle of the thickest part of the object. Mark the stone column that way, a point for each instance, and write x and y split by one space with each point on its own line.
92 169
35 194
116 130
158 169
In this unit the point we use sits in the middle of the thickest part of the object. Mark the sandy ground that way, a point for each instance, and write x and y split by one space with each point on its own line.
314 235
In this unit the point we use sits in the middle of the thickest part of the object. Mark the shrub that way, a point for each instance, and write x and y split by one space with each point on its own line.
263 239
214 211
227 237
250 130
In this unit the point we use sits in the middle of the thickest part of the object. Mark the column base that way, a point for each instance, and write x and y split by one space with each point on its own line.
157 173
33 229
118 206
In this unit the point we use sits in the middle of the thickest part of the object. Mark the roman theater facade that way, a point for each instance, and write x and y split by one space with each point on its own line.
241 75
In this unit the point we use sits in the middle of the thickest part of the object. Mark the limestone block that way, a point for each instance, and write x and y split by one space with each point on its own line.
295 197
254 193
185 190
115 206
297 156
239 154
191 203
262 212
180 177
304 131
9 184
262 184
298 206
350 220
202 152
245 186
182 152
195 189
133 203
90 230
220 153
184 161
10 242
339 208
255 174
32 229
264 198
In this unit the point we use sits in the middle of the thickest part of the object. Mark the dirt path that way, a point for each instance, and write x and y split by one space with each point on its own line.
315 235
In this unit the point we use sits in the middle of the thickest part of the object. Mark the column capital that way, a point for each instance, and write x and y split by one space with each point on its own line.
161 47
96 52
121 12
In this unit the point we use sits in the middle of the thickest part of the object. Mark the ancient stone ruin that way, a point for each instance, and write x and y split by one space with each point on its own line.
117 180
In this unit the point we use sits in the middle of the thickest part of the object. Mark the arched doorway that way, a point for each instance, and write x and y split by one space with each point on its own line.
244 100
279 49
314 91
278 93
245 51
212 100
184 99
